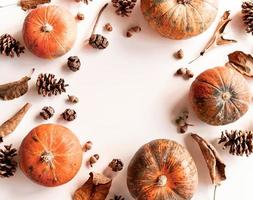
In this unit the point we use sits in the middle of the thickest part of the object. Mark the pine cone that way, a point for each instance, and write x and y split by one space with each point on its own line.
8 166
98 41
69 115
240 143
247 11
47 85
74 63
124 7
47 112
9 46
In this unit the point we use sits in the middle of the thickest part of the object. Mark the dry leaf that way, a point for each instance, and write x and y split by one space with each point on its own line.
31 4
217 38
242 62
10 125
214 163
96 188
14 89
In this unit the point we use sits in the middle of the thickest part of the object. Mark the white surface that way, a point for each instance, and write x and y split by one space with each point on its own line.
128 96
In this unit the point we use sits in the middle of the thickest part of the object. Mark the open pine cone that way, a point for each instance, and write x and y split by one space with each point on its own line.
9 46
239 143
247 11
124 7
8 166
48 85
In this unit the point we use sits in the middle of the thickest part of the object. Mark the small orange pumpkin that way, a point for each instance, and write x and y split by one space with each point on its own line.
220 96
49 31
162 170
179 19
50 155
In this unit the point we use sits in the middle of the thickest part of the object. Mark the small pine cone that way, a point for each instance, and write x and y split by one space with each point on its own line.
8 165
240 143
124 7
9 46
47 112
47 85
69 115
247 11
74 63
116 165
98 41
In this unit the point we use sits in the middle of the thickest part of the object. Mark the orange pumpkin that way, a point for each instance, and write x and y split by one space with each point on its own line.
49 31
162 170
179 19
220 96
50 155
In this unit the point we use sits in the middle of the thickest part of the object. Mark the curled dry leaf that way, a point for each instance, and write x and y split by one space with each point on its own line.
218 37
96 188
242 62
31 4
11 124
214 163
14 89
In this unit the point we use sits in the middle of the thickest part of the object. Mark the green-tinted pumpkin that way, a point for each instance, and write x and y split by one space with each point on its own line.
162 170
179 19
220 96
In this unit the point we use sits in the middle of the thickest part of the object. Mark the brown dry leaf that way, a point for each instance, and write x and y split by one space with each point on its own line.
214 163
31 4
218 36
96 187
242 62
14 89
11 124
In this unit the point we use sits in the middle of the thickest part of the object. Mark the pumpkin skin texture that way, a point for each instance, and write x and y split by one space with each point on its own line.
50 155
49 31
162 170
220 96
179 19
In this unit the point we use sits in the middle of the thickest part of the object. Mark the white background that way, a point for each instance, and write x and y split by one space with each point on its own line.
128 96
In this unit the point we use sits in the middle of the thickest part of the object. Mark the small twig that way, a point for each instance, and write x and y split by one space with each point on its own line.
214 193
195 59
218 36
98 17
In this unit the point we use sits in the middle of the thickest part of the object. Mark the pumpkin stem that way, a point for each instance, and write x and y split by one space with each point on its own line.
226 96
98 17
47 28
47 157
162 180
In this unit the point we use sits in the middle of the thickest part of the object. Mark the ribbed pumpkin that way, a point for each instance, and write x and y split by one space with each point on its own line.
179 19
50 155
162 170
220 96
49 31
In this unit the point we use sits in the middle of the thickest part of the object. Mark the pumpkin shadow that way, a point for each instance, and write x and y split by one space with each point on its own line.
119 186
237 24
195 152
180 106
19 179
238 28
